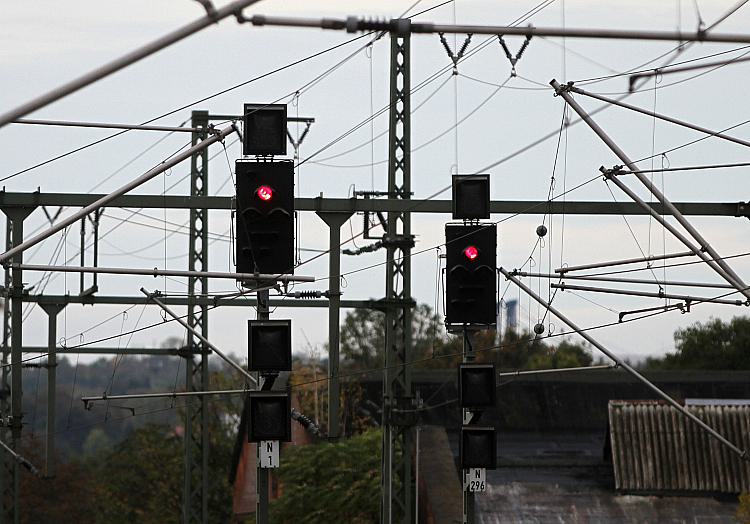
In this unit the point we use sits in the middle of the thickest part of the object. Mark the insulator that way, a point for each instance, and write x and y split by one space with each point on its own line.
308 294
539 328
541 230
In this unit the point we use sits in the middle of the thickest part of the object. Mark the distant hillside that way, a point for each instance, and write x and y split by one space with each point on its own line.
80 430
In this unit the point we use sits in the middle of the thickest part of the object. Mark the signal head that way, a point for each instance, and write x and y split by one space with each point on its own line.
265 193
472 253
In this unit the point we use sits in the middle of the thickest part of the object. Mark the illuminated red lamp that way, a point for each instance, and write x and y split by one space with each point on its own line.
471 253
264 193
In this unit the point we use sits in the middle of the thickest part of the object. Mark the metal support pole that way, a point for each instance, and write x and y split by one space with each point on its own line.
624 365
16 216
52 311
165 272
195 497
194 332
713 259
148 175
665 118
469 511
671 70
334 221
105 125
262 474
596 265
170 394
6 466
234 8
686 298
594 278
554 370
397 498
353 24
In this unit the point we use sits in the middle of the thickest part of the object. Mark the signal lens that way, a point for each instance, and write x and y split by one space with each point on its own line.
264 193
471 253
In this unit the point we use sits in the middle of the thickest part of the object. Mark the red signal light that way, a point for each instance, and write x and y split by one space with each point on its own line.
471 253
265 193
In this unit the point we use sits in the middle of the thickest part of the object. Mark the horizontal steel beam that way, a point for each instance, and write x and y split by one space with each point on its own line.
170 394
353 205
94 350
107 125
222 355
245 277
354 24
596 265
201 301
660 295
595 278
554 370
226 118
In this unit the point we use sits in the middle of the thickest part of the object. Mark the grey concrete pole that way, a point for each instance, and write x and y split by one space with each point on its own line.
334 221
16 216
52 311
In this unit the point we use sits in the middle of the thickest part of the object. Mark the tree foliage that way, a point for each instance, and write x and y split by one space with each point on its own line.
330 482
518 351
711 345
363 339
363 343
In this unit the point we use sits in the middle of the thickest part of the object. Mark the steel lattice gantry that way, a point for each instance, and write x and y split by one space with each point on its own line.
195 496
397 490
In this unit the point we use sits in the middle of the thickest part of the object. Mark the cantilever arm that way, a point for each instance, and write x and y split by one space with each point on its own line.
624 365
203 339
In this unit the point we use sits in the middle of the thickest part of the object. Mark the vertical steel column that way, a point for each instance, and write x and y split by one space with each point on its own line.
6 465
334 221
11 512
397 493
262 474
468 497
52 311
195 497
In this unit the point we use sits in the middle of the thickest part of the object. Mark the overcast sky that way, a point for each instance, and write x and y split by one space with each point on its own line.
44 46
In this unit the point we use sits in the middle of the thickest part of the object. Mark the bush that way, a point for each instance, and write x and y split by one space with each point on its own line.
330 482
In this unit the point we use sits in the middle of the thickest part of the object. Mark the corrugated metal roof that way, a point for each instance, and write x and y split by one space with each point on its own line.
655 449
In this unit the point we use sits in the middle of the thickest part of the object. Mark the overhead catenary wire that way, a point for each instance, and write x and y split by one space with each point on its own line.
231 9
204 99
496 347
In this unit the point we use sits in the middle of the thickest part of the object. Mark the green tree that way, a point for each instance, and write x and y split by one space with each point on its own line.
68 498
96 441
517 351
363 338
564 355
140 480
711 345
330 482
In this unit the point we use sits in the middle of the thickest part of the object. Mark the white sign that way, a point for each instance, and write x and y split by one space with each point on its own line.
476 479
268 453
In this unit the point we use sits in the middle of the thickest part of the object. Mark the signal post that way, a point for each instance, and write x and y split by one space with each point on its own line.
470 304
